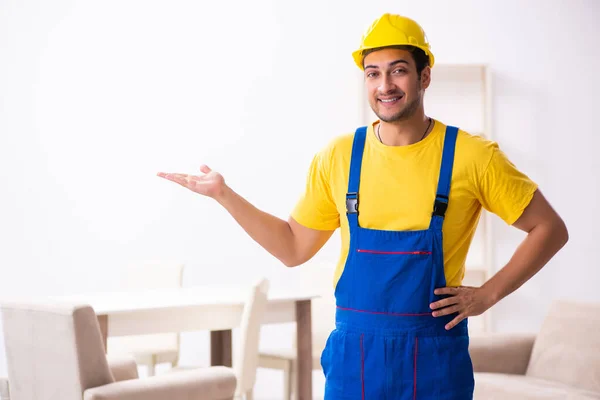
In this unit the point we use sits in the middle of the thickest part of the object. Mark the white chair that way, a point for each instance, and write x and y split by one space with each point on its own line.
154 349
55 351
318 277
245 362
4 389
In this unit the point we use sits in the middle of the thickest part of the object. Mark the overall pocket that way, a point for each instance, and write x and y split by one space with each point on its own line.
342 362
443 368
404 253
402 279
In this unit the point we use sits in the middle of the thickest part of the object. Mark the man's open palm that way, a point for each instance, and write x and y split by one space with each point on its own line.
210 184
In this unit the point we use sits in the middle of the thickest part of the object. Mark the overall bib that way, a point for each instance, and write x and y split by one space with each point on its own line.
386 344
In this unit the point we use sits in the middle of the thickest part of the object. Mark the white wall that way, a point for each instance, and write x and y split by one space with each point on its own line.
96 97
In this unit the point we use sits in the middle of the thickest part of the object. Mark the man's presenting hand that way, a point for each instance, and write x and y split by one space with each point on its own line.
465 300
210 184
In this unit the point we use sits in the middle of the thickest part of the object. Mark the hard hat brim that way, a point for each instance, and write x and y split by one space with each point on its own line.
357 55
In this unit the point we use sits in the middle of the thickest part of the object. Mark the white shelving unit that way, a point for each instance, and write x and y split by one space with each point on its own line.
461 95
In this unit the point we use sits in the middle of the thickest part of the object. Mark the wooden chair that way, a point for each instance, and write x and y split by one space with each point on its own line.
154 349
317 276
245 362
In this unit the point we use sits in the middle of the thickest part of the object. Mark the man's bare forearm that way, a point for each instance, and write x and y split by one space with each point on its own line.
272 233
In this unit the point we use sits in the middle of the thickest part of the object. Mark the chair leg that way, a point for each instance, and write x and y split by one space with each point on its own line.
294 379
288 375
152 366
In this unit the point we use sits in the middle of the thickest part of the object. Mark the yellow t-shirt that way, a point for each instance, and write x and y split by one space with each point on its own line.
398 186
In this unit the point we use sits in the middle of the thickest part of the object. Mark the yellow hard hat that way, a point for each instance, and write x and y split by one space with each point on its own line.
393 30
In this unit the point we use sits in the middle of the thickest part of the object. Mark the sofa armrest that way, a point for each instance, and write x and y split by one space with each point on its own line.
501 353
212 383
122 367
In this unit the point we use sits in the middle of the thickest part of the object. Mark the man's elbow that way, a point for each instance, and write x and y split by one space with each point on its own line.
561 232
296 258
290 262
294 261
565 234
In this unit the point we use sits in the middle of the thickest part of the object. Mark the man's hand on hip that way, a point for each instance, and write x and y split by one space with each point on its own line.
465 300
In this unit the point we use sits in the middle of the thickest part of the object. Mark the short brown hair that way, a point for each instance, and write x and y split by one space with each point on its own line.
421 58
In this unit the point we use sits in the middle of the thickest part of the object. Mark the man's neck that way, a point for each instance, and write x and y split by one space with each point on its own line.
405 132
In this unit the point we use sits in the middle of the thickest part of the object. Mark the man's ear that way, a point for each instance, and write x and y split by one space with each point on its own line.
426 77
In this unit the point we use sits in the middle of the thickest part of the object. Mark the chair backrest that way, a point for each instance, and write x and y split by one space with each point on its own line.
318 277
53 351
4 389
567 348
323 307
140 276
246 356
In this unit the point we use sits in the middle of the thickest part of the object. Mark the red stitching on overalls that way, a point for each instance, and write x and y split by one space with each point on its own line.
362 365
415 369
394 252
384 313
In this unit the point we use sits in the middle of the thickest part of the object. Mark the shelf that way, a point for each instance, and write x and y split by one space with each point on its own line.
459 72
461 95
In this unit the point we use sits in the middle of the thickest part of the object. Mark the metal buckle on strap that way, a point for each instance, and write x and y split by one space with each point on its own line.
352 203
440 206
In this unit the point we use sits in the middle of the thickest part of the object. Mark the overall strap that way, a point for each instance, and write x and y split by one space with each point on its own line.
443 190
354 177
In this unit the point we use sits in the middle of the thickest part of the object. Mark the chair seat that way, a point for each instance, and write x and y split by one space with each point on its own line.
146 354
286 353
285 359
494 386
279 358
160 356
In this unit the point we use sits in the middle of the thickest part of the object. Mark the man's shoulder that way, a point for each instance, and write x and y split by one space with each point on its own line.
338 146
474 147
342 141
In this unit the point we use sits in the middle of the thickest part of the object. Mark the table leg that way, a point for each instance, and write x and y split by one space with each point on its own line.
103 322
220 348
304 355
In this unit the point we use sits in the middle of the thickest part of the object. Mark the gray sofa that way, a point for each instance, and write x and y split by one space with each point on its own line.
561 362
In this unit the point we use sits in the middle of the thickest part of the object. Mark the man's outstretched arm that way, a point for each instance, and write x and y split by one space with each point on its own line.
288 241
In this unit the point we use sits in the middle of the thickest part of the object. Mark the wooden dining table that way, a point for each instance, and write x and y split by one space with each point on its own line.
217 309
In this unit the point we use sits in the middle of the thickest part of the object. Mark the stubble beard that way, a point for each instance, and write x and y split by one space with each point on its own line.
405 113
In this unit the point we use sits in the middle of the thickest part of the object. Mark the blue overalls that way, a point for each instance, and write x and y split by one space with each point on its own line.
386 344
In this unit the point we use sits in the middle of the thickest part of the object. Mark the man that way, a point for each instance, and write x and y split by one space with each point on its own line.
407 192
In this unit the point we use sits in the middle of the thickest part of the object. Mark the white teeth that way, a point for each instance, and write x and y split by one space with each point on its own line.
390 100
